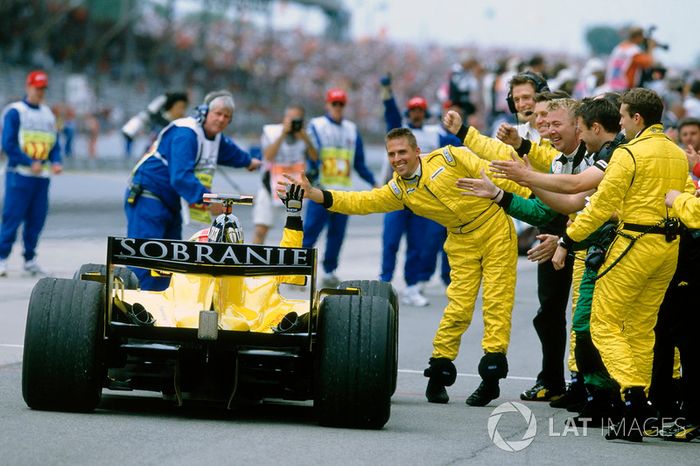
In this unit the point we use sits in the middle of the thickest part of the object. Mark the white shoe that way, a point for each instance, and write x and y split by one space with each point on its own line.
329 280
413 297
3 267
33 268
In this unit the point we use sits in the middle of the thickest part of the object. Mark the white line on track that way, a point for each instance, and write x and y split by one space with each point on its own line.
405 371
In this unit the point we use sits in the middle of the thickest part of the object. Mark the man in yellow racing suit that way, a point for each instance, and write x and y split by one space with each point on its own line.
642 259
481 246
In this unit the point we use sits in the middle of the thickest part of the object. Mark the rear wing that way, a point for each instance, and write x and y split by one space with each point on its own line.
216 259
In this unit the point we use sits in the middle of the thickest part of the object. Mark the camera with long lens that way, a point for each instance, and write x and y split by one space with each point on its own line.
647 37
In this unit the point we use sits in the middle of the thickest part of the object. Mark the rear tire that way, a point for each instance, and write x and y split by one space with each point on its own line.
131 281
62 365
356 338
374 288
384 290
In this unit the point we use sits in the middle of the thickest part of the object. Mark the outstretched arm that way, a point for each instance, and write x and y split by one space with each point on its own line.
563 203
302 182
481 187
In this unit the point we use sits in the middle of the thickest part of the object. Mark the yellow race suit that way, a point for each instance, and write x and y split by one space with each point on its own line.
687 206
481 243
243 303
627 297
541 154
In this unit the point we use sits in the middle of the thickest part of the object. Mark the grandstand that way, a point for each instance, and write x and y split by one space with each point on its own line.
109 59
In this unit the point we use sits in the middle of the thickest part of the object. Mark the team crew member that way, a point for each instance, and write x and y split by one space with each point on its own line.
424 237
521 102
481 246
180 164
598 122
340 149
29 138
285 147
553 285
676 327
642 259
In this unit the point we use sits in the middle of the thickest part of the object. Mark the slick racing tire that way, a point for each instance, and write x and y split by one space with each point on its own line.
129 278
374 288
386 291
354 362
62 365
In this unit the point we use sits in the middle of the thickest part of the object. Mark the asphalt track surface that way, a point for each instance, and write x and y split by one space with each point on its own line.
141 428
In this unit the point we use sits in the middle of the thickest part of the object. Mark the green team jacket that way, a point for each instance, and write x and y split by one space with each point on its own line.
532 211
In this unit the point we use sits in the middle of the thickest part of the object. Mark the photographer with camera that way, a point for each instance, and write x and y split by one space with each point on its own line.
157 115
286 147
628 60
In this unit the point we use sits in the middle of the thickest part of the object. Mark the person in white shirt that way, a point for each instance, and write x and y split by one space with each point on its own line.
286 147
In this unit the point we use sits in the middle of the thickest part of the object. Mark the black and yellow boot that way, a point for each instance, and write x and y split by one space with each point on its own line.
441 373
492 367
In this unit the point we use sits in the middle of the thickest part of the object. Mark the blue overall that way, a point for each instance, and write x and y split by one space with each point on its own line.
156 212
26 196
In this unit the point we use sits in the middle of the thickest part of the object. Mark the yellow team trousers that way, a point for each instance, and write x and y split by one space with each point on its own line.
625 305
488 254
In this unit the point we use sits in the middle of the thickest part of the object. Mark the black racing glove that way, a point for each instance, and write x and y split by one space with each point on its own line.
294 199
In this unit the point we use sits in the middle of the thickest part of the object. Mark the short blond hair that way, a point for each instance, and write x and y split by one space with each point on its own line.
570 105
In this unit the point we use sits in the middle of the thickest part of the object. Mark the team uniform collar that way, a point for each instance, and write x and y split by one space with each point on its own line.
34 106
334 121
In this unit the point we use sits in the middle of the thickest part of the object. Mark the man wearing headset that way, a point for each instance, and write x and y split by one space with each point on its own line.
521 102
181 165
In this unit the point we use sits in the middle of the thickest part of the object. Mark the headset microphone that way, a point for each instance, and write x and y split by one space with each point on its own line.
203 109
538 81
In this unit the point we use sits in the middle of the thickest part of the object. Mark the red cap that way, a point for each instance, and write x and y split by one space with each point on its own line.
417 102
38 79
336 95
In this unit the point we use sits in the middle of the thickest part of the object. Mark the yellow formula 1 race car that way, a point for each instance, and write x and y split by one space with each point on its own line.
221 331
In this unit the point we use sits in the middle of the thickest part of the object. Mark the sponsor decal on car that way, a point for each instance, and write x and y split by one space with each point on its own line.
192 256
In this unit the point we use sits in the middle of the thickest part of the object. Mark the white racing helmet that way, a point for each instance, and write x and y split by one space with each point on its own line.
226 229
